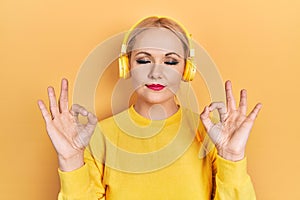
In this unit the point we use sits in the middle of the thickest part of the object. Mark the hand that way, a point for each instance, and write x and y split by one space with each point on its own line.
230 135
69 137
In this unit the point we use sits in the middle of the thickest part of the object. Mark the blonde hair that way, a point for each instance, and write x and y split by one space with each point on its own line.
159 22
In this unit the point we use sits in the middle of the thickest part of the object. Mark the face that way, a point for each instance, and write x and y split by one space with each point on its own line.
157 64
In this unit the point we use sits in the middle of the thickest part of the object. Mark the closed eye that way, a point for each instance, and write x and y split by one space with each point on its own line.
171 63
143 61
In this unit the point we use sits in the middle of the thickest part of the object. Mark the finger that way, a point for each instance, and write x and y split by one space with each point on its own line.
255 111
243 102
63 99
204 116
229 96
78 109
92 121
220 106
74 113
44 111
52 101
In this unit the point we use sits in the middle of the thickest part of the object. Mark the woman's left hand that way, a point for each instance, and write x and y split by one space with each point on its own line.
230 135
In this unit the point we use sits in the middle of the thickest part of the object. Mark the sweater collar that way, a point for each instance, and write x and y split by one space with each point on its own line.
143 121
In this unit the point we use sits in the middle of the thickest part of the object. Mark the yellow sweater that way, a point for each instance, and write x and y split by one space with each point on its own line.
131 157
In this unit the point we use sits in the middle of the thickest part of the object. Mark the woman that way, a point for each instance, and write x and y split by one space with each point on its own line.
94 158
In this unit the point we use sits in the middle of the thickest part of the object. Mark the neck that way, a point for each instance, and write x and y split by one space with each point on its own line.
156 111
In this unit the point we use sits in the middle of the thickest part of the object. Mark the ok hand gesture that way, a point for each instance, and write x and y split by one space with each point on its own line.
68 135
230 135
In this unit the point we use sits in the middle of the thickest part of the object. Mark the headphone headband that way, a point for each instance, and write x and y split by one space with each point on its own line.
187 34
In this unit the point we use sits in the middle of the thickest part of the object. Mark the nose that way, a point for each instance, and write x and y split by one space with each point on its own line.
155 72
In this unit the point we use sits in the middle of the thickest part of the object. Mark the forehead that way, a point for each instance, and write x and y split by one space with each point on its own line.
160 39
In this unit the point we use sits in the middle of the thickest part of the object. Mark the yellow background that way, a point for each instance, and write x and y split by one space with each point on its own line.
254 43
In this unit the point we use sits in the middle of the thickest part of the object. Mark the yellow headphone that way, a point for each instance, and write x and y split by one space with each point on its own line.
124 69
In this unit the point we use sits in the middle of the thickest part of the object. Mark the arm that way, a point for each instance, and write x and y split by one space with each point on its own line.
84 183
231 180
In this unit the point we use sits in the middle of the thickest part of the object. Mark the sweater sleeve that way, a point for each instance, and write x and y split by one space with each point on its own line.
84 183
231 180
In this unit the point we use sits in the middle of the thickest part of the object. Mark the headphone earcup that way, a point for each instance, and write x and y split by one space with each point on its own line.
189 71
124 67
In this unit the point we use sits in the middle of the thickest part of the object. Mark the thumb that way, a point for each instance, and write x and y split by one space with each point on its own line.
84 136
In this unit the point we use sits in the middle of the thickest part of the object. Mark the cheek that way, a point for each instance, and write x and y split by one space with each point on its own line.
174 80
139 76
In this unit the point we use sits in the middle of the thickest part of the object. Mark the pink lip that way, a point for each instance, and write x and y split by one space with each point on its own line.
155 87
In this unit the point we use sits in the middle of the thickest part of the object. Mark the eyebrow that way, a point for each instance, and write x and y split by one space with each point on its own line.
167 54
143 52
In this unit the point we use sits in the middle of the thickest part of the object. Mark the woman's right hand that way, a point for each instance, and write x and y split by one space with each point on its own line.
69 137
